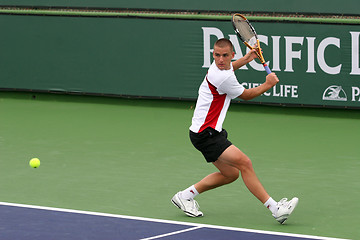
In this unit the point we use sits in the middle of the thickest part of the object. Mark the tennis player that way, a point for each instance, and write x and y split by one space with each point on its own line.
207 135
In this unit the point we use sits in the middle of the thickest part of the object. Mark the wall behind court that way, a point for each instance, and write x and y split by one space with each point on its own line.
304 6
318 64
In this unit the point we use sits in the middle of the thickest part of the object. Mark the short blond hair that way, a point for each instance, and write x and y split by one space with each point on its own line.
224 42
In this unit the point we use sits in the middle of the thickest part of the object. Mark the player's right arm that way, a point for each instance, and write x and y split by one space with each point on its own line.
271 80
251 55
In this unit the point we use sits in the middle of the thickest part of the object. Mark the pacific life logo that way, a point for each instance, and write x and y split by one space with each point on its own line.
335 93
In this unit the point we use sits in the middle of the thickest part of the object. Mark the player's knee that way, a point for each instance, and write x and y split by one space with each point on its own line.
232 176
245 163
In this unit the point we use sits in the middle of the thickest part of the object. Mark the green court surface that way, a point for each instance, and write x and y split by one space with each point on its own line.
130 156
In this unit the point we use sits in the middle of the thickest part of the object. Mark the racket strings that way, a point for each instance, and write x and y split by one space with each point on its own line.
244 30
247 34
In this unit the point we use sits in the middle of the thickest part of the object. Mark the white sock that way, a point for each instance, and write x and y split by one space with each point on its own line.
271 204
189 193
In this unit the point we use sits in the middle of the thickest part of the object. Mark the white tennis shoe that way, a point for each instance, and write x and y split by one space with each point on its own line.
285 208
190 207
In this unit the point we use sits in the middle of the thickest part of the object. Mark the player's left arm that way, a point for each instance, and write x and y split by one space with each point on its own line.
251 55
271 80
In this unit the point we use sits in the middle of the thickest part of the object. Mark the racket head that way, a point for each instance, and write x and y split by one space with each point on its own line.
244 29
247 34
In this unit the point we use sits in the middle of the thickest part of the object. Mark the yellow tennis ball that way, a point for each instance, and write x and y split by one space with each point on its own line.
34 163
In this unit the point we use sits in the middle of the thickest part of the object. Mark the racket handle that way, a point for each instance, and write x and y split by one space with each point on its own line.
267 69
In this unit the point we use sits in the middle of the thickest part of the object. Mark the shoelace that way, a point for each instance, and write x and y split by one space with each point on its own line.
195 205
283 202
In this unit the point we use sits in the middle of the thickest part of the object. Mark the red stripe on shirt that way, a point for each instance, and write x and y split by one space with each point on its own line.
216 106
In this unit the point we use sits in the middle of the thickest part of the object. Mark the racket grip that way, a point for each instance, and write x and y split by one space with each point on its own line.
267 69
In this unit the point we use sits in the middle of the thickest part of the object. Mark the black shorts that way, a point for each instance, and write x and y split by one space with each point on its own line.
210 143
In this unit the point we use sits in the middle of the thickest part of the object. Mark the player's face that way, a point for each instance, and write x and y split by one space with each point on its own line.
222 57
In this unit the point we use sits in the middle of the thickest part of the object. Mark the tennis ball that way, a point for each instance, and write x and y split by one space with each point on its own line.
34 163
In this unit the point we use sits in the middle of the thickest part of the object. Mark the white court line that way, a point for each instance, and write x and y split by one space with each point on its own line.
168 221
170 234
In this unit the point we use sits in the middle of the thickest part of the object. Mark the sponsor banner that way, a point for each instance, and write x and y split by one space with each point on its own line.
316 64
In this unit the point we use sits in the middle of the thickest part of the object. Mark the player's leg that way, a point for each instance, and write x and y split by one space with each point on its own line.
234 157
230 162
227 174
185 199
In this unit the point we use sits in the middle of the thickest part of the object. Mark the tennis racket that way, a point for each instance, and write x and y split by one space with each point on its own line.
248 36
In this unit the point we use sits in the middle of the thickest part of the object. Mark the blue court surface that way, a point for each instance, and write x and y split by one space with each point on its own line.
22 222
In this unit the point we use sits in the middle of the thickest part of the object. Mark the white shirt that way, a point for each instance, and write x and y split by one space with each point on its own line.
215 94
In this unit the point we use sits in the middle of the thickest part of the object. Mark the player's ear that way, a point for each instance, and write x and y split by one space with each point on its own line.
233 55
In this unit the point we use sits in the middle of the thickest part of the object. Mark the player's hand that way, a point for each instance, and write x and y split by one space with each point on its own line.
272 79
251 55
